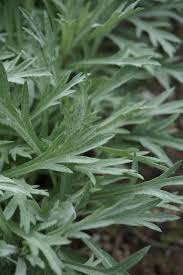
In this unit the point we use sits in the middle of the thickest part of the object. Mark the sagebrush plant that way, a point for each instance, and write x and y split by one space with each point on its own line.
85 89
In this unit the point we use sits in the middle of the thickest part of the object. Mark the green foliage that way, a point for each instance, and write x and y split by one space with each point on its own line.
78 107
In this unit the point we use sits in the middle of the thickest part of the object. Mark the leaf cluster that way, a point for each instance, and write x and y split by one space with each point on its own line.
79 118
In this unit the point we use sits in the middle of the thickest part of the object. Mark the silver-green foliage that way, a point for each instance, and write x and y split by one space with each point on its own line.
77 107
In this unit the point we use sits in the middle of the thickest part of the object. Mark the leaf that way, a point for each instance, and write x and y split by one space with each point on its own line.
7 250
120 14
118 60
37 241
5 142
53 156
18 73
151 188
5 92
106 259
133 259
4 226
28 211
26 118
120 78
34 31
106 167
133 47
157 150
19 77
18 187
80 134
58 92
11 117
137 214
95 271
157 35
62 213
19 151
21 268
130 153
